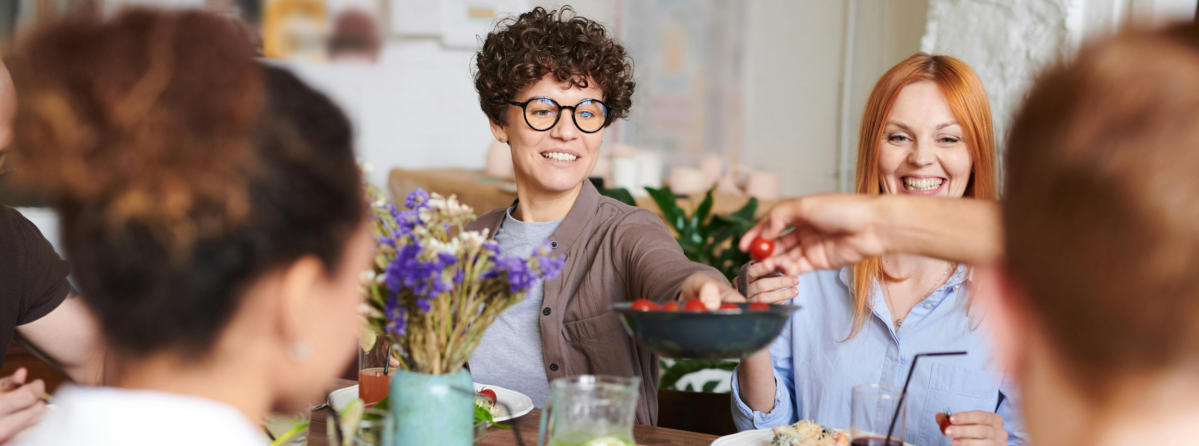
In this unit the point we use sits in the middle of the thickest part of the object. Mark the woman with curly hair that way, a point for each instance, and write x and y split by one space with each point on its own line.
550 82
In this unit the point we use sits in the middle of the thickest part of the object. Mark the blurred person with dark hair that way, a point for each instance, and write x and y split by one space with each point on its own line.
1090 286
36 305
213 213
550 83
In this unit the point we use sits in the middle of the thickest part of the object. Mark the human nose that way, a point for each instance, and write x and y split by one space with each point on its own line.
921 154
565 129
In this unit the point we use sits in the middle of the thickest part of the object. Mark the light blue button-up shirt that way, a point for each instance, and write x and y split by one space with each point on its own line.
814 371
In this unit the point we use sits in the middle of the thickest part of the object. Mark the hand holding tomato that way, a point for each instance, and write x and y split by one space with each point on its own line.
975 427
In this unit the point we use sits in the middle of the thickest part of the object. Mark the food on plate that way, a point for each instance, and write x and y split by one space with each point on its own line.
729 306
671 306
758 306
645 305
487 401
807 433
760 249
695 306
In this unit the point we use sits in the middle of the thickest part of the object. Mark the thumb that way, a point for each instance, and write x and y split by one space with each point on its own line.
709 294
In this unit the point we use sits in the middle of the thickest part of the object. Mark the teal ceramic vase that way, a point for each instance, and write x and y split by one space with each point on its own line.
433 409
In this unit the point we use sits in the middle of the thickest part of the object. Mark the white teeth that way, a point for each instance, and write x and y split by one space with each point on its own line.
559 156
922 183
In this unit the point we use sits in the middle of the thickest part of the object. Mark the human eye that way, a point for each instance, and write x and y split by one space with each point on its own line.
898 138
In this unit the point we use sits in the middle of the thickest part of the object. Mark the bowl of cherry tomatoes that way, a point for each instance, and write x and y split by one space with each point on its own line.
690 330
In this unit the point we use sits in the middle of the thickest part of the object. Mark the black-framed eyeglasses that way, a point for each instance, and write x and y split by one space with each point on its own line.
542 114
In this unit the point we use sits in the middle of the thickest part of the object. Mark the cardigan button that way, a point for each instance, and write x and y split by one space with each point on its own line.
553 367
546 311
553 245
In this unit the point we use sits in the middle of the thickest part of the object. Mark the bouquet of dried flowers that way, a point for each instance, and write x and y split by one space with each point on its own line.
435 287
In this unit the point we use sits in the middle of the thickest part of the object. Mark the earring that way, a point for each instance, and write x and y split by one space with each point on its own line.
300 352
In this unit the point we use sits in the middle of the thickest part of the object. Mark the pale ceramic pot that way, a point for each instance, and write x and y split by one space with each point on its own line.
433 409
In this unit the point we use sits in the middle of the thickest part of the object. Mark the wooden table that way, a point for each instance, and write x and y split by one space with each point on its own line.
527 427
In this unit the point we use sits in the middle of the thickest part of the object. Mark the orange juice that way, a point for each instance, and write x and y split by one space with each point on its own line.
372 385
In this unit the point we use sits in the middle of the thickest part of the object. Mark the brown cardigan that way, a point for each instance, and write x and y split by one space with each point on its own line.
614 253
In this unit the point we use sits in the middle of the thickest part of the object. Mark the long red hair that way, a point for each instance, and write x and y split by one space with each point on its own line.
967 100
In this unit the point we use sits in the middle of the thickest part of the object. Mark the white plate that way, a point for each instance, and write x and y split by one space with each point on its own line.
516 401
760 437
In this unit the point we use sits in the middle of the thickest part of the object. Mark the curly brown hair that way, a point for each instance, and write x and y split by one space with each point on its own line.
182 169
523 50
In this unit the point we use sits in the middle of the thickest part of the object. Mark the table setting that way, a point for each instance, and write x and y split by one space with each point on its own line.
432 292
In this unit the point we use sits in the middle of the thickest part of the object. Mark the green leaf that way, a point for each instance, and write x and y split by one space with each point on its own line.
619 194
482 414
664 198
748 210
690 388
705 207
683 367
710 386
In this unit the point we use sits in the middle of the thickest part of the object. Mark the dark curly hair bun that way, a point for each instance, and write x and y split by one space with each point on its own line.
523 50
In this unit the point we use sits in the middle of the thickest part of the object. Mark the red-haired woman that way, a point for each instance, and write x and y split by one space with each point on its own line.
926 131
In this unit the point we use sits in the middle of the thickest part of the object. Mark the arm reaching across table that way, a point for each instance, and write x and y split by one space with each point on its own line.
835 230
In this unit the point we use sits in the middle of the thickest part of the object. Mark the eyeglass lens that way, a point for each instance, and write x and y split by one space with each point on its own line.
542 114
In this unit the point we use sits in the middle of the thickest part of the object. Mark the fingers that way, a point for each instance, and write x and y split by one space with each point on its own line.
770 284
11 382
976 428
758 269
709 294
770 226
14 423
22 398
971 431
776 296
977 417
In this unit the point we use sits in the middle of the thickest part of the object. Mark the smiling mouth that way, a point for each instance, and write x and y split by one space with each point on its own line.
559 156
921 184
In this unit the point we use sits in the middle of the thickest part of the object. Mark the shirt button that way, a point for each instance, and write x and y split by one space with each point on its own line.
928 305
553 367
553 245
546 311
955 287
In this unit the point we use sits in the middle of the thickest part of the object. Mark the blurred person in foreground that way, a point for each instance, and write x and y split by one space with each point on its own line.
550 83
37 307
1090 287
213 213
926 131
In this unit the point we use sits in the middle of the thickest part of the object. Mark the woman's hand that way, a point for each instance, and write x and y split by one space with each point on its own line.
21 405
709 291
975 428
831 231
765 285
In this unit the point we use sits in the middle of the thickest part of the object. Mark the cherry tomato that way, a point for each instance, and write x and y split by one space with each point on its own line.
488 393
758 306
672 306
761 248
645 305
729 306
944 423
694 306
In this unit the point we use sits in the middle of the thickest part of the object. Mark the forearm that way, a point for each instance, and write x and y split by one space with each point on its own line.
960 230
755 379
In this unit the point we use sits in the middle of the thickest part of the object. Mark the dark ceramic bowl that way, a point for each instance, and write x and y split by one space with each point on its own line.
723 334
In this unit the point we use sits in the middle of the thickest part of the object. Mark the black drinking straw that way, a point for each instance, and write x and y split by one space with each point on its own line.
904 394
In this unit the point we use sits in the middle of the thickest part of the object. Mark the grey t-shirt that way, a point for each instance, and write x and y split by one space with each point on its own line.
509 355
